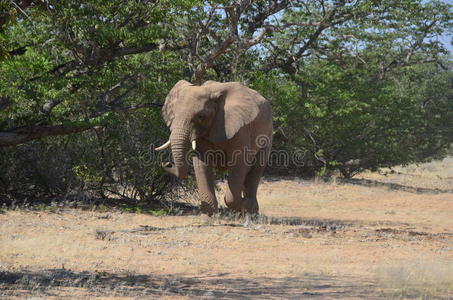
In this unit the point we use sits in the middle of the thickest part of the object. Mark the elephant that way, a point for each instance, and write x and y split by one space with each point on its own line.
230 128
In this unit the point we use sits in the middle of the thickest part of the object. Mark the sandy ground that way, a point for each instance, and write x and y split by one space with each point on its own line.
375 237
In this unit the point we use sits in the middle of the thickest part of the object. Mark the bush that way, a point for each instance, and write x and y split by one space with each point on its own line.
343 118
114 161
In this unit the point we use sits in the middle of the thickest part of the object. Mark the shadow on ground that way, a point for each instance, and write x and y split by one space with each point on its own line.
57 282
394 186
238 220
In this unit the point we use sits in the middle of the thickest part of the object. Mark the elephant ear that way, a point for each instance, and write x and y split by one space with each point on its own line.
237 106
171 101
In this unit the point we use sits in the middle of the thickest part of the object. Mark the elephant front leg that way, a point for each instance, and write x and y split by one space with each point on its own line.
205 183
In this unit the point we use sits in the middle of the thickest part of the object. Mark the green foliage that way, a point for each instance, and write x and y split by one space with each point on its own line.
351 121
85 66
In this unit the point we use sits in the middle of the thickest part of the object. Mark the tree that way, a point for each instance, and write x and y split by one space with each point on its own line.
65 50
80 63
349 120
85 67
350 82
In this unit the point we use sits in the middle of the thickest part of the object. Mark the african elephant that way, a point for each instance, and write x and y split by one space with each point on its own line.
230 128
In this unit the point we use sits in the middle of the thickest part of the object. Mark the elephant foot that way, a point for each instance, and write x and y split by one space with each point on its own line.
209 208
235 206
250 206
245 206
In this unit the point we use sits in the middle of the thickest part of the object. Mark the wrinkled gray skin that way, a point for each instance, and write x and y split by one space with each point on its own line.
230 119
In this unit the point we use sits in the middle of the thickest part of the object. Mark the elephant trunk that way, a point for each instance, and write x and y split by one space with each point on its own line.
179 140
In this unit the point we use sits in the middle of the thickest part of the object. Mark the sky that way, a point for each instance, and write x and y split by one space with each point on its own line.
446 38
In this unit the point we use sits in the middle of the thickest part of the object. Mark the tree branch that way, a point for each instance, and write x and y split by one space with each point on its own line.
16 137
257 21
25 134
66 67
210 58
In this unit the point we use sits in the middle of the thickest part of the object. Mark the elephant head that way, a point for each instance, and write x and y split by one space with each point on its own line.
215 111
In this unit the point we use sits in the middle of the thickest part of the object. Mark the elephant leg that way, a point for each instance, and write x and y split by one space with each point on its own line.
205 183
252 181
233 194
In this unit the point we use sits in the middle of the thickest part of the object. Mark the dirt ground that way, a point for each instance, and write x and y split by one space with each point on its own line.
378 236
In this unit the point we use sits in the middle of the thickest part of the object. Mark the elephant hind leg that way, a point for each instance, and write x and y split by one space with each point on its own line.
243 181
233 194
252 181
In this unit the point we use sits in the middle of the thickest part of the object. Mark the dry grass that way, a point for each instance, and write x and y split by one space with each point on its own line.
437 175
422 278
371 238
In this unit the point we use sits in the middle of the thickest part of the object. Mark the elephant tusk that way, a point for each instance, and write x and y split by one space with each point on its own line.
164 146
194 145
